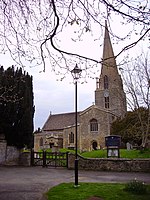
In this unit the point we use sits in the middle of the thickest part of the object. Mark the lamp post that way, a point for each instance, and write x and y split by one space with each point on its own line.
76 73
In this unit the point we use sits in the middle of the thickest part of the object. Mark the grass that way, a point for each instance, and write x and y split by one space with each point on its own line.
123 154
135 153
106 191
95 154
103 153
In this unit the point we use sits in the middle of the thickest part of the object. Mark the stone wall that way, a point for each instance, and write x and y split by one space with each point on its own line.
12 155
25 159
87 137
110 164
9 155
3 146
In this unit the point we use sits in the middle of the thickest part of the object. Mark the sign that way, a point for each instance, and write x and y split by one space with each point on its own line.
113 152
113 141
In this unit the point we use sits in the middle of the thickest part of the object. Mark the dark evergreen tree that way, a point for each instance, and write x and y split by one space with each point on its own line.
16 107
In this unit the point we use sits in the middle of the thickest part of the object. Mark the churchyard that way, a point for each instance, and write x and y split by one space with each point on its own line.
124 153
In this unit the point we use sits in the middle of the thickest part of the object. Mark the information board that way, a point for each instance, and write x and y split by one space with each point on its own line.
113 140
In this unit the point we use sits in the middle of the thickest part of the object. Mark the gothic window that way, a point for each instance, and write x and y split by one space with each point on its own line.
105 82
41 142
71 137
93 125
106 102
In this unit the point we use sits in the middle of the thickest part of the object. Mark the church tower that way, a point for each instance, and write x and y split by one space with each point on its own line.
109 94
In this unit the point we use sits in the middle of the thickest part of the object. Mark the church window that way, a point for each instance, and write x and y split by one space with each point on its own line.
105 82
41 142
71 137
106 102
93 125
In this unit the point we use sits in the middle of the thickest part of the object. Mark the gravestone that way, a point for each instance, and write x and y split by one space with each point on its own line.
129 146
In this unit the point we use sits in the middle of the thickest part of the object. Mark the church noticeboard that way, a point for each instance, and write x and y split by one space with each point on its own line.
113 141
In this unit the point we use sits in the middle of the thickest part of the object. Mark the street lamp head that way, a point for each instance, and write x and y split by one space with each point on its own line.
76 72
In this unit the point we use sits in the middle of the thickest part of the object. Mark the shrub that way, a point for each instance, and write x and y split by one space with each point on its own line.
136 187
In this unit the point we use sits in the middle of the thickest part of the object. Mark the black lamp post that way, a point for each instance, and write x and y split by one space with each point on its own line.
76 73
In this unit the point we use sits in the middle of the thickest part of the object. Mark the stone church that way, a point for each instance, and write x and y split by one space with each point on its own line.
94 122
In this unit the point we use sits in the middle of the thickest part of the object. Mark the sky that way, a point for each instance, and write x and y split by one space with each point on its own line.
55 96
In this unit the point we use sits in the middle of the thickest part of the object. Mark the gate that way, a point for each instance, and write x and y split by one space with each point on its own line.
51 159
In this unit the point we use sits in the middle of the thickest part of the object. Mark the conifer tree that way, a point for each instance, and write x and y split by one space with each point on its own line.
16 107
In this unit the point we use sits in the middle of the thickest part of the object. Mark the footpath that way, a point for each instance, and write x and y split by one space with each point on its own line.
29 183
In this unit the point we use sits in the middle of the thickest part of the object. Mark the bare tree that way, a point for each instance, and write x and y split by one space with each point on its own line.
136 78
32 30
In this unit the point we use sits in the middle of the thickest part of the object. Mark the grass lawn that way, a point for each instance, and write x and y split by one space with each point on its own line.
123 154
103 153
106 191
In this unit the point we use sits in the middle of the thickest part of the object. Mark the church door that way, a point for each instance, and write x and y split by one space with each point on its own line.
94 145
51 145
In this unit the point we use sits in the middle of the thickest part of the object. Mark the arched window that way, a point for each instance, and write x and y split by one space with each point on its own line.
105 82
93 125
41 142
71 137
106 102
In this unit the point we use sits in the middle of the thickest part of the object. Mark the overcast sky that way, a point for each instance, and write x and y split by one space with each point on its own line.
58 96
55 96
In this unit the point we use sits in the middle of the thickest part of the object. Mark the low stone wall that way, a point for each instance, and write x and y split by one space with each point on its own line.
3 152
9 155
12 155
25 159
110 164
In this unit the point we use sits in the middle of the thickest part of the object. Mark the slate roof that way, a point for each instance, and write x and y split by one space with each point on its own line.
60 121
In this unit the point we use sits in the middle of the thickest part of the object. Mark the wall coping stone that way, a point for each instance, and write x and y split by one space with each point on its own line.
110 164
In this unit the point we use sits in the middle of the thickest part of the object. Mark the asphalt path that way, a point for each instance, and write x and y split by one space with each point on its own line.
30 183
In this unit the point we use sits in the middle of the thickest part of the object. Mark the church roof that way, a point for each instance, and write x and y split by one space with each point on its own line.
60 121
98 108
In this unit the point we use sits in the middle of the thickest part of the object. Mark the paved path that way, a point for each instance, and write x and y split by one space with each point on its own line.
29 183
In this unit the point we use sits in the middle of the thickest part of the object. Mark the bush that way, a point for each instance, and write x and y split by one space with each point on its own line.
136 187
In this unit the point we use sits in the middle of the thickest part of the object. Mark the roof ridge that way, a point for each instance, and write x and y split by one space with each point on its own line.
66 113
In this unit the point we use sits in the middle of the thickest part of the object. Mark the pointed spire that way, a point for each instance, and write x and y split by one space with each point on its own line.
108 54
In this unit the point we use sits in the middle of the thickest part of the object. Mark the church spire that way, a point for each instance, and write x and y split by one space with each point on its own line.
108 54
109 92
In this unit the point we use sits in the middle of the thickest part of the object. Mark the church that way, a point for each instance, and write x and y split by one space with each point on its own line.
95 121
